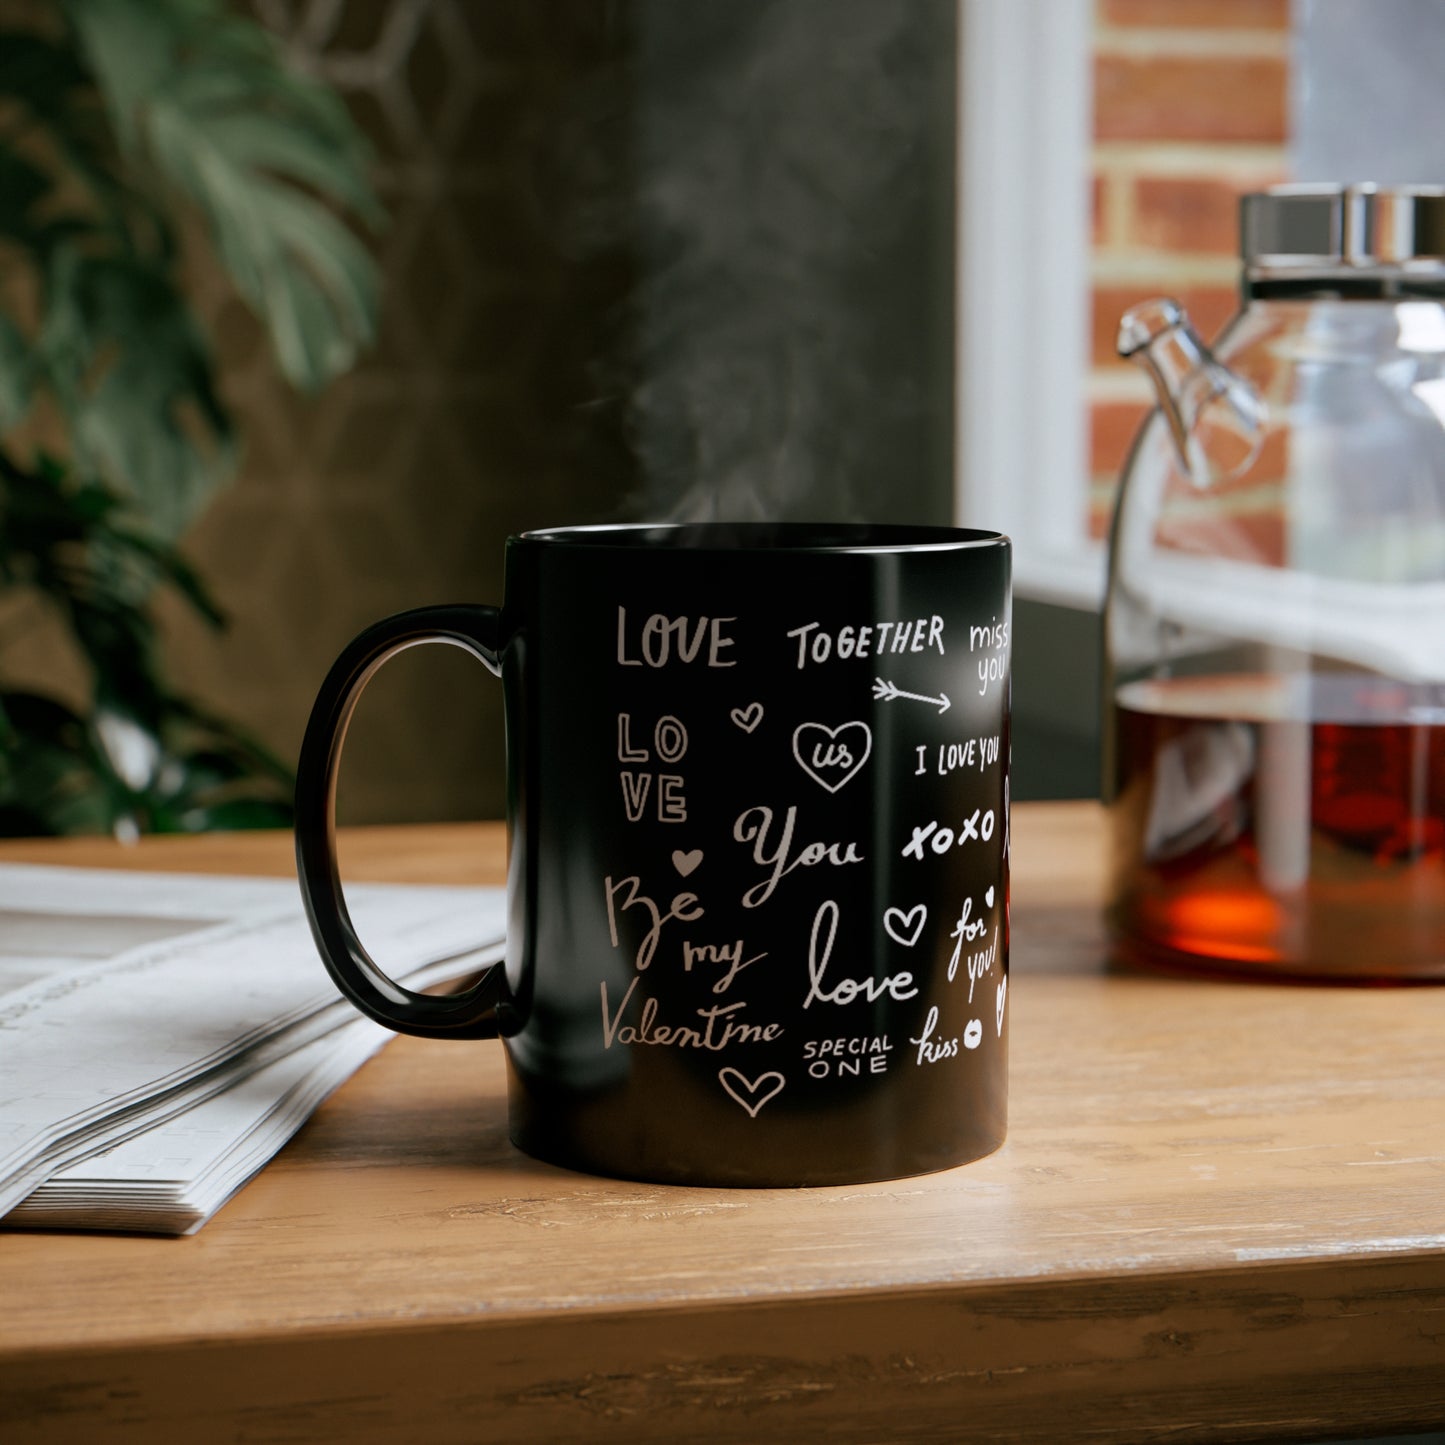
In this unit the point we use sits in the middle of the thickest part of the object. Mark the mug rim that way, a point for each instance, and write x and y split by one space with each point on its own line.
772 537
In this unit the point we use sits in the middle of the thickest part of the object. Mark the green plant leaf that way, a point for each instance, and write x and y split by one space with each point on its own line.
237 743
107 123
232 814
73 545
51 784
40 74
265 153
17 375
169 566
53 93
63 773
129 48
22 185
134 378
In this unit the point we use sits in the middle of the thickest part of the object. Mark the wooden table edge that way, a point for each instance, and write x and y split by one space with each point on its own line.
1337 1343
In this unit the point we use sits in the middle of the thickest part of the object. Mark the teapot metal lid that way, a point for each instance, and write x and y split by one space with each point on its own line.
1329 231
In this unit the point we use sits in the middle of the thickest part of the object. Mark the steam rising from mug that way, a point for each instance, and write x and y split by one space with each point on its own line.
792 184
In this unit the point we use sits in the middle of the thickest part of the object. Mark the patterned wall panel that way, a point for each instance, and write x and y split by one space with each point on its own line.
476 416
646 258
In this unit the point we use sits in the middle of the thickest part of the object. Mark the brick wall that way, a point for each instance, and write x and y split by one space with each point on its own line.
1190 111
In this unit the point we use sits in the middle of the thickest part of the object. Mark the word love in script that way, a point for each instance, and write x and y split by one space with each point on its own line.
897 986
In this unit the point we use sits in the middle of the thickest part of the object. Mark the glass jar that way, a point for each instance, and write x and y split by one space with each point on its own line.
1275 620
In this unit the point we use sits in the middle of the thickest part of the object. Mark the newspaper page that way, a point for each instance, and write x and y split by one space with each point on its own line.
130 1000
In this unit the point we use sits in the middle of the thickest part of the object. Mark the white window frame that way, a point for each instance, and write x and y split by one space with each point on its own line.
1025 123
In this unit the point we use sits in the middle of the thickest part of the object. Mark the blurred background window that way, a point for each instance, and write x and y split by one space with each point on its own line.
1193 103
673 258
1188 107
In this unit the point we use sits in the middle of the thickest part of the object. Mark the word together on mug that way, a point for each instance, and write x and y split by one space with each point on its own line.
877 639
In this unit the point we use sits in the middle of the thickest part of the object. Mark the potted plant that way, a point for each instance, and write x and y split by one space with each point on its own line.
121 122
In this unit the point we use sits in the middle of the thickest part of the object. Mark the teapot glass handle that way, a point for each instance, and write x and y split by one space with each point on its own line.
1217 419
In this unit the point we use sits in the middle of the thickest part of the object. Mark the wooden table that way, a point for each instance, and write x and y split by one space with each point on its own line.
1220 1214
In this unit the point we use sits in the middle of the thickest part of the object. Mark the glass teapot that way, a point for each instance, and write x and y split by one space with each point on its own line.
1275 622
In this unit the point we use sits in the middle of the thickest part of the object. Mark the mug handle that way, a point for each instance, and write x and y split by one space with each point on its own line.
467 1015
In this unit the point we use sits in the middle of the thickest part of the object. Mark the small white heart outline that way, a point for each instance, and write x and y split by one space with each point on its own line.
905 923
747 718
998 1006
685 863
988 897
750 1088
832 735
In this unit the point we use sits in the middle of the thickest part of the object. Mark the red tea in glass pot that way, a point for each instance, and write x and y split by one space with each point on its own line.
1275 623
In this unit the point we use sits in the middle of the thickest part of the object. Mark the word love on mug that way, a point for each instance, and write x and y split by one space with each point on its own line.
757 795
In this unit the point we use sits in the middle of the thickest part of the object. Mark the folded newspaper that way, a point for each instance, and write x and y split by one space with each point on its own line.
162 1034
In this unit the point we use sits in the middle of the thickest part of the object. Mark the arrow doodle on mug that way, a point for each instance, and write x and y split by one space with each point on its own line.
888 691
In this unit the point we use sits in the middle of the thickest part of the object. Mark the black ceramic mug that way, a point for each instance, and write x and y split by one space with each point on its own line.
758 870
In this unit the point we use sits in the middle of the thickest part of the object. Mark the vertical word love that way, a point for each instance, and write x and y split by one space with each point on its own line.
669 745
